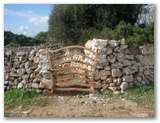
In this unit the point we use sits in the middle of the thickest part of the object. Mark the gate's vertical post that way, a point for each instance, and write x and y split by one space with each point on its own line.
93 75
52 72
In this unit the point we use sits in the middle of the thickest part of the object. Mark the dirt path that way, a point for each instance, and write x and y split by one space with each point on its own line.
82 106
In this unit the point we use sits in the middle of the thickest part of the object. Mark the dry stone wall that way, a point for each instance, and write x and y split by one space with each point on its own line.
119 67
26 67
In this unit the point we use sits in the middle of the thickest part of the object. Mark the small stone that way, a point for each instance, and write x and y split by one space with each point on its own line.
21 71
127 71
6 76
123 86
111 84
34 85
24 81
108 80
20 85
33 52
120 57
116 73
127 78
98 85
27 65
122 41
139 79
7 69
16 64
111 58
21 53
36 59
109 51
117 65
107 68
127 63
8 52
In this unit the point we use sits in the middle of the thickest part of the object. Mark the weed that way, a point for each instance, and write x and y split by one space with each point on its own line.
143 95
15 97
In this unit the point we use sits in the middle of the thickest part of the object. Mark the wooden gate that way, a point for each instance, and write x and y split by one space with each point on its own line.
71 69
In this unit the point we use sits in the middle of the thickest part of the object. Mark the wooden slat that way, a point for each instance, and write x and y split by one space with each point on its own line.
72 84
71 78
69 47
69 61
73 89
58 57
83 74
52 74
57 70
95 64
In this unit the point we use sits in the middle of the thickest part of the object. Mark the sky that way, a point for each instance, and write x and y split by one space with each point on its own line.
26 19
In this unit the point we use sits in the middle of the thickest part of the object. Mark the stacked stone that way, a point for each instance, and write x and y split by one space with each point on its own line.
26 69
119 67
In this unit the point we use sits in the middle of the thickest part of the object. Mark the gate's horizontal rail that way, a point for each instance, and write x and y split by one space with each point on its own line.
69 73
77 61
72 54
75 78
73 89
72 84
69 47
58 70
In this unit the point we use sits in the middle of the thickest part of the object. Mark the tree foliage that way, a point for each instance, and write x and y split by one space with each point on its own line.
68 22
24 40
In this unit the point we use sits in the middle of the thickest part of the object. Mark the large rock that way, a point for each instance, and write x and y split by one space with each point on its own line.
148 60
113 43
88 44
147 49
116 73
99 43
127 78
45 84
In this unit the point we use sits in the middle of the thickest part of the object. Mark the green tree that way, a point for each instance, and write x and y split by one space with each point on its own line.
68 22
41 36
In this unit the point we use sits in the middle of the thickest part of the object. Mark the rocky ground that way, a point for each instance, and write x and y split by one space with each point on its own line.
82 106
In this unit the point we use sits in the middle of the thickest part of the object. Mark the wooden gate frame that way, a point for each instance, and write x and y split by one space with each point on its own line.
53 72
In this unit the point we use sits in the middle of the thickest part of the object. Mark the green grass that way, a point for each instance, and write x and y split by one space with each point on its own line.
15 97
143 95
